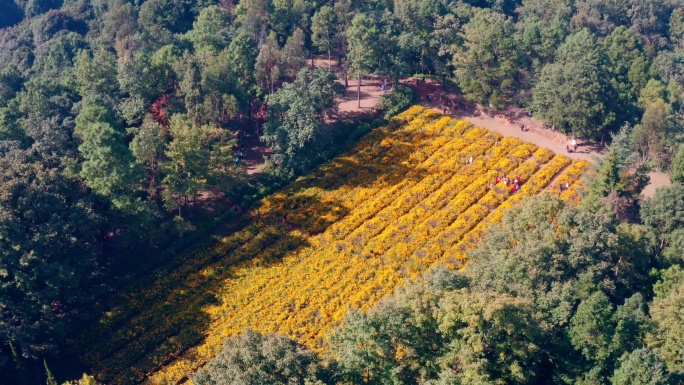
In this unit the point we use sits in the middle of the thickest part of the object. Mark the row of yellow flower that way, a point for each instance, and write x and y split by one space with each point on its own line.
405 198
571 177
434 213
333 284
130 335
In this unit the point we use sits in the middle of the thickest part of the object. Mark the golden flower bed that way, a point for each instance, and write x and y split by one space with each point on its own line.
405 198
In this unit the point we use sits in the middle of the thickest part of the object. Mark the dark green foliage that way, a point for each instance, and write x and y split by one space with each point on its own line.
396 101
488 63
256 359
435 330
296 130
591 327
628 67
677 168
573 92
165 16
642 367
664 213
48 230
211 29
666 311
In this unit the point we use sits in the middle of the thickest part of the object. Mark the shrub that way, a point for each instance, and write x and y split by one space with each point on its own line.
396 101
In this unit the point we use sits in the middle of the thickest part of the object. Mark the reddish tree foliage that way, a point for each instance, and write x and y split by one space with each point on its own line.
159 109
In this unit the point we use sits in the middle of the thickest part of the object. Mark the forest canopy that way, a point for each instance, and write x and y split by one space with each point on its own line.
117 117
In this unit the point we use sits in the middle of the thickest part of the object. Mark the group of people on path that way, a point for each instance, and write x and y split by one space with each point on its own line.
514 183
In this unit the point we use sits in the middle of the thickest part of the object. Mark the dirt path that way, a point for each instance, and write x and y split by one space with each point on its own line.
254 152
507 122
371 91
538 136
657 180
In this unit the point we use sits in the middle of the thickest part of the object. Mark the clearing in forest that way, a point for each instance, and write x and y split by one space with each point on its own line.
407 197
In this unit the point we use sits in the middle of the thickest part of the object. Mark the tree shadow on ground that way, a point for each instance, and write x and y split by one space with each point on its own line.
155 319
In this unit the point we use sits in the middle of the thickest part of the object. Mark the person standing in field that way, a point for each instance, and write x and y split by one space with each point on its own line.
574 144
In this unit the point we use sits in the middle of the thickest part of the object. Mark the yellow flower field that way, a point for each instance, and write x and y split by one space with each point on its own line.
344 236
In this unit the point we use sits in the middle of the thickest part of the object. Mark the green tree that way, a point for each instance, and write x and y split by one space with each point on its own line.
323 30
575 249
396 342
677 167
599 16
37 7
241 58
197 159
162 70
147 146
363 36
491 338
632 325
9 127
628 67
649 18
48 233
344 13
220 91
651 135
444 38
573 92
667 311
44 105
253 16
210 32
547 12
10 83
591 328
437 329
677 27
296 129
655 90
294 53
664 213
541 40
107 166
487 65
94 109
268 63
619 180
403 50
120 21
255 359
161 18
56 57
96 73
640 367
